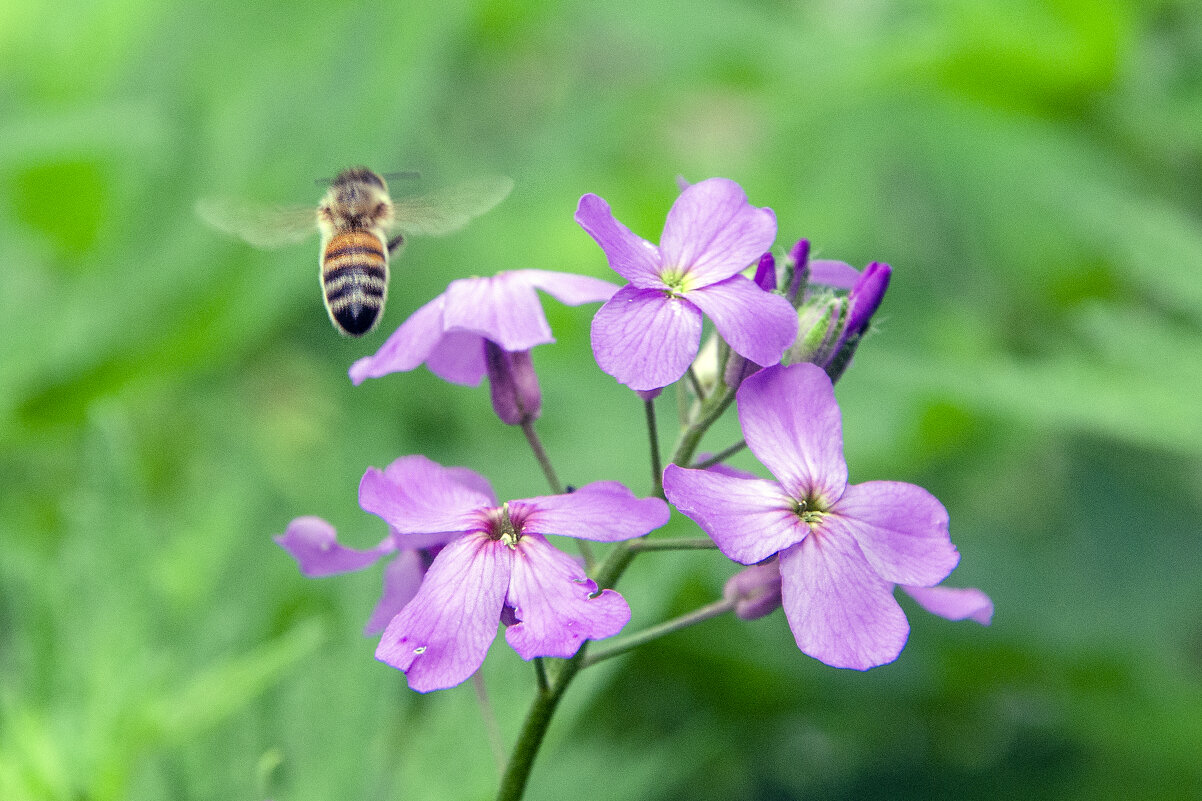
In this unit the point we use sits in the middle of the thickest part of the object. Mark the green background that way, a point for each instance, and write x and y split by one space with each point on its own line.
170 398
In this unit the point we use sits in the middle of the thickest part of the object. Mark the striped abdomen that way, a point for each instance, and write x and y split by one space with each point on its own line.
354 278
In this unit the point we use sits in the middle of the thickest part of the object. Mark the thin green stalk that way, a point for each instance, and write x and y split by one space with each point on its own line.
540 454
711 410
673 544
695 383
722 455
657 468
621 645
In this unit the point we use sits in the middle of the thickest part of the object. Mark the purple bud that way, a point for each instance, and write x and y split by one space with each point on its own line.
649 394
513 384
765 272
799 257
865 297
755 590
819 322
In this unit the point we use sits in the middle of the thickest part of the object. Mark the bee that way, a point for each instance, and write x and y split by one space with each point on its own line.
361 225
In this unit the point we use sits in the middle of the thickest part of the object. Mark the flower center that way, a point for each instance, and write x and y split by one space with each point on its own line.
502 527
674 282
809 509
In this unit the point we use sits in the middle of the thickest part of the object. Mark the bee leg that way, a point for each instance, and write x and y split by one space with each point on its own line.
395 243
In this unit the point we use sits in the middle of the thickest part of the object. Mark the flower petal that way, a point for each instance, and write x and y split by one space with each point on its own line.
840 611
442 636
630 256
604 511
793 426
954 603
748 519
644 338
756 324
414 468
402 578
408 346
712 232
552 599
755 590
837 274
313 543
431 500
503 308
458 358
570 289
901 528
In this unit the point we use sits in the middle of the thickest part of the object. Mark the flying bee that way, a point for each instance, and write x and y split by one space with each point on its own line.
361 225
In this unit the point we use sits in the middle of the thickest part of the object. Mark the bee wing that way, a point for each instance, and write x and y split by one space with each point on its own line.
447 210
260 226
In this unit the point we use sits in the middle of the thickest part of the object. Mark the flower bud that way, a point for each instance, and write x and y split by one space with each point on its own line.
513 384
765 272
863 301
797 271
819 322
755 590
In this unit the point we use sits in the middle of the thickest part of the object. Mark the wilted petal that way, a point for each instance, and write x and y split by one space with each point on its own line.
755 590
712 232
901 528
755 323
500 308
458 358
430 501
748 519
644 338
313 543
408 346
793 426
629 255
604 511
402 578
570 289
551 598
840 611
442 636
954 603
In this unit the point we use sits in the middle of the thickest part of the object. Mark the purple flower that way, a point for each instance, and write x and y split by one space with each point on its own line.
448 333
647 334
841 547
498 564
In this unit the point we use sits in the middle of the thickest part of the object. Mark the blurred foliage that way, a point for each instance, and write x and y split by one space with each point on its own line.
169 399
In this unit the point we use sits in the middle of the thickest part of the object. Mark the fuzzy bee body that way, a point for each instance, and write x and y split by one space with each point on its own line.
355 218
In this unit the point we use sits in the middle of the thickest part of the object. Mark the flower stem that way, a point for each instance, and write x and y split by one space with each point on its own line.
673 544
540 671
695 383
624 644
711 410
721 456
540 454
657 469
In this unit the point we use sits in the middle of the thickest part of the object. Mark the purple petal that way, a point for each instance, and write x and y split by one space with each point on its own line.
841 612
604 511
712 232
503 308
793 426
430 501
408 346
866 296
552 599
458 358
414 468
630 256
442 636
644 338
402 578
313 543
954 603
755 323
570 289
837 274
755 590
748 519
901 528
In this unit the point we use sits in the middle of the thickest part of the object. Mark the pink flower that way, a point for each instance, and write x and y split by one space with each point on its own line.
842 547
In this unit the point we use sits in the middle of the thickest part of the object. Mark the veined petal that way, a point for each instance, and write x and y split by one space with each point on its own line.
458 358
430 501
552 599
954 603
901 528
408 346
748 519
313 543
793 426
569 289
712 232
756 324
840 611
402 578
408 469
629 255
604 511
442 636
837 274
502 308
644 338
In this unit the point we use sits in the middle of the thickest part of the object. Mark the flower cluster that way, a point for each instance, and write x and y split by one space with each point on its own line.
829 552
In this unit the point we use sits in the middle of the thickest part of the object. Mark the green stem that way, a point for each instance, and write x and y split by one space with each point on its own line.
721 456
674 544
540 454
623 644
657 468
711 410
